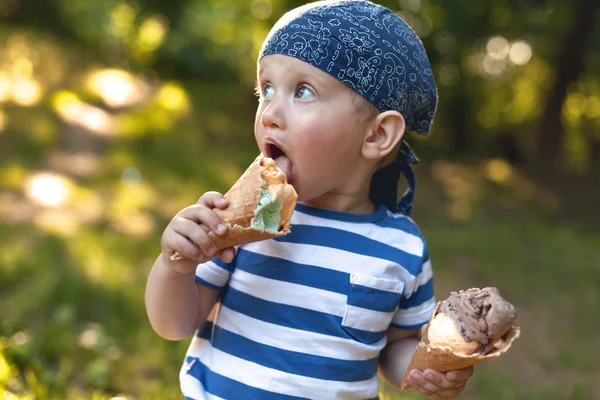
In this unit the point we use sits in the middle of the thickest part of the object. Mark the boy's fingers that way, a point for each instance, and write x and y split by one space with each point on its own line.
212 200
460 375
186 248
439 379
418 383
206 216
422 385
434 377
424 381
227 255
197 235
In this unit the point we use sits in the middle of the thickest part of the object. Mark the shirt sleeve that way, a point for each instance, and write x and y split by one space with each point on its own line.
215 273
418 301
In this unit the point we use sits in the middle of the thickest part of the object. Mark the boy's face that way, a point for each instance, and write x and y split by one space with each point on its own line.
307 121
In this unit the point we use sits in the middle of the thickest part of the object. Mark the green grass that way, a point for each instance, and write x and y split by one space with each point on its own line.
73 320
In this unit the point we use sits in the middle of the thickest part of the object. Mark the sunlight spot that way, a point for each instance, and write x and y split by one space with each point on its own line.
131 176
122 18
94 118
48 189
152 33
520 53
5 86
26 92
89 338
5 374
22 67
498 170
493 66
497 47
574 106
73 110
63 99
115 86
20 338
173 97
119 397
261 9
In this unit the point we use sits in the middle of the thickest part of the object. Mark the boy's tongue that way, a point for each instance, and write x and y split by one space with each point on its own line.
284 163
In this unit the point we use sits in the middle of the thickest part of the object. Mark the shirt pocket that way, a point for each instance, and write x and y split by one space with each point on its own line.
370 307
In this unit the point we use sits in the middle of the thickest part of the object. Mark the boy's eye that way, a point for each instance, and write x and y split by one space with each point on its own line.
304 93
268 92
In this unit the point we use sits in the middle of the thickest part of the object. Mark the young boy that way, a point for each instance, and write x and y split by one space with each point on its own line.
317 313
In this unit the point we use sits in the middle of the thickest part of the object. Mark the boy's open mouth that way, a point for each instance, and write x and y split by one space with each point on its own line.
272 150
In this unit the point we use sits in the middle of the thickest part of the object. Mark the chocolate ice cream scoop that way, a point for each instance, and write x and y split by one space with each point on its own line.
481 315
469 327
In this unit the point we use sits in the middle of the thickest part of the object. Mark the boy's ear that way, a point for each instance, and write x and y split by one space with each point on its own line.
385 132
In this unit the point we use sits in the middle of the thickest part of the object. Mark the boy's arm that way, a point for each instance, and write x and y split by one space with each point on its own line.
175 303
395 359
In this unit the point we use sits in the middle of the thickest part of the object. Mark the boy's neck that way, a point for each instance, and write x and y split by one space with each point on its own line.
353 197
342 202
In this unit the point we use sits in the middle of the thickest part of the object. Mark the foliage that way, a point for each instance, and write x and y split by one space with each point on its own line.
116 114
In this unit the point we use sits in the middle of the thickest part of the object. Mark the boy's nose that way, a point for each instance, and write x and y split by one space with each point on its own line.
272 116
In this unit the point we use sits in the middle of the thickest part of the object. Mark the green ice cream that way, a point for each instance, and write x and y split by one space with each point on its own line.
267 215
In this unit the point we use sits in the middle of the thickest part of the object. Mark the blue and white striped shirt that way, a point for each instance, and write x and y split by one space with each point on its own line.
305 315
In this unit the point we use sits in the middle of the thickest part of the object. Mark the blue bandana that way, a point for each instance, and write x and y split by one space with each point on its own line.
370 49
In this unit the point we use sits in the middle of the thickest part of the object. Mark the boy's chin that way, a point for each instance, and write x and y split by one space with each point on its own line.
304 196
308 197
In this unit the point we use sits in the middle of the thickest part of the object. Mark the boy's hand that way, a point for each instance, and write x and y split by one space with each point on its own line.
440 385
187 233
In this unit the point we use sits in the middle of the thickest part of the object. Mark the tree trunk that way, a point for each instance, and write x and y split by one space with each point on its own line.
569 67
457 142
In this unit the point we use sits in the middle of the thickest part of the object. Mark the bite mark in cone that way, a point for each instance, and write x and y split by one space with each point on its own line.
244 197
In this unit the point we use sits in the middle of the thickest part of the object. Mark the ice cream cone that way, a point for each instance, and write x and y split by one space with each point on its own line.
443 357
244 197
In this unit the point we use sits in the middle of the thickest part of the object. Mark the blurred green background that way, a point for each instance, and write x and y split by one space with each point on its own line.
115 114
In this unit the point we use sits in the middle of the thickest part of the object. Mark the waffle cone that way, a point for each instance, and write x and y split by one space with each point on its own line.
243 198
443 357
